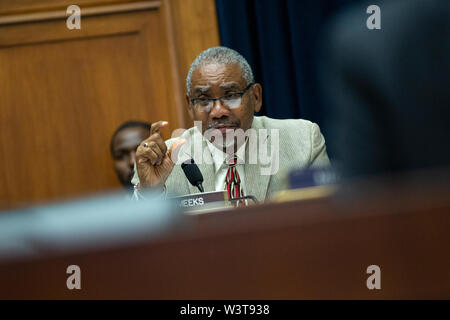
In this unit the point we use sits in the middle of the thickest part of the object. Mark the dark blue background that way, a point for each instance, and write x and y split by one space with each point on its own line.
280 39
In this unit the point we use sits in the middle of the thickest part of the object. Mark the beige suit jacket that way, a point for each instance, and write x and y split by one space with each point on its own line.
300 145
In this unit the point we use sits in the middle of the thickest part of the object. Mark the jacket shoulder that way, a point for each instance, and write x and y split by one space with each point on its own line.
300 141
290 124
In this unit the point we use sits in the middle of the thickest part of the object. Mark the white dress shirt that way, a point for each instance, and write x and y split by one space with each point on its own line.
221 166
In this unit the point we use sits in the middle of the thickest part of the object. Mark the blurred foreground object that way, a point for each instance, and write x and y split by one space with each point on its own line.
83 225
309 249
389 89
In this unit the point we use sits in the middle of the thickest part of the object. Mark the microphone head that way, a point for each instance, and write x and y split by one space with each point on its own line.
192 172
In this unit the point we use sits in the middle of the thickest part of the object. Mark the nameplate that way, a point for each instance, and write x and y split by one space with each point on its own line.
312 177
203 202
311 183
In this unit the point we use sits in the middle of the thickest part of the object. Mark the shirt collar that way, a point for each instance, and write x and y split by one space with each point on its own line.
219 157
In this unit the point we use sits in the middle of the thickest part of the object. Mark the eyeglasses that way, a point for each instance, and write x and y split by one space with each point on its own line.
231 100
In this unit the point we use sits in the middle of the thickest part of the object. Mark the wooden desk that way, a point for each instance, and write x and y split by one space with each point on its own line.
316 249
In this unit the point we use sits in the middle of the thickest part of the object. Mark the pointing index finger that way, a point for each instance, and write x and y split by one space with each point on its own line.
157 126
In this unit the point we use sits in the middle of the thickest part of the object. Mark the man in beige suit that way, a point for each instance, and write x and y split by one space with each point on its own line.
234 150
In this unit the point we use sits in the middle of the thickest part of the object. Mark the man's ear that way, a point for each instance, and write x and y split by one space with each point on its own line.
257 96
189 106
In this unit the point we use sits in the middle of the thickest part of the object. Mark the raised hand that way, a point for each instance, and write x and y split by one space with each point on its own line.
153 160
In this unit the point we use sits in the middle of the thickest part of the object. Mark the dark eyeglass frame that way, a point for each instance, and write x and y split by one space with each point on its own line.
240 93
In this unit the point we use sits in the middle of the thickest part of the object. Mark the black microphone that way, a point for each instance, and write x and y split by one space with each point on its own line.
193 174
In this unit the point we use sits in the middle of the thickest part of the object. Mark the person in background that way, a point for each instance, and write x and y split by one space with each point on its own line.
389 90
124 143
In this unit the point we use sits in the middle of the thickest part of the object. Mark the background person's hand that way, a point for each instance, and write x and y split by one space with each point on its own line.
153 160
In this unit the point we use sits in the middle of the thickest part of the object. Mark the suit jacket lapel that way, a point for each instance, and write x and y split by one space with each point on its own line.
206 169
256 183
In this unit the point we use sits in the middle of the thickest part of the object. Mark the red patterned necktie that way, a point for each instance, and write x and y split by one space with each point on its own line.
233 183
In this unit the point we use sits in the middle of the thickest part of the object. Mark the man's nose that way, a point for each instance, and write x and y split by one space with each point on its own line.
219 110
